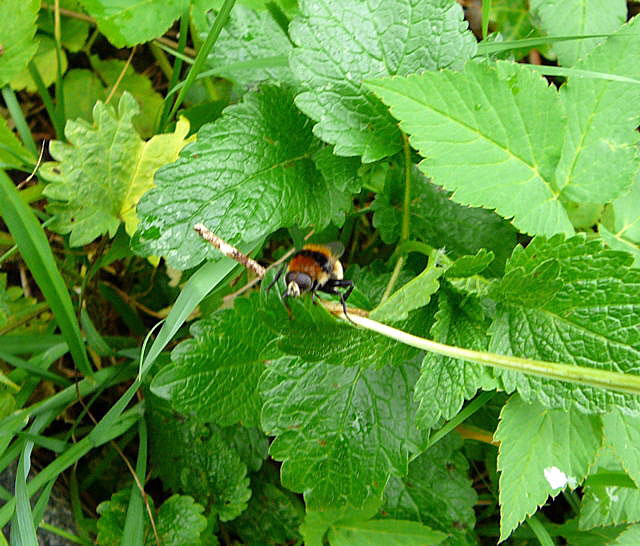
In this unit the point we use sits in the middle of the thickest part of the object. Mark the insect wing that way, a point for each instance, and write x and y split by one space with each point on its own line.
336 248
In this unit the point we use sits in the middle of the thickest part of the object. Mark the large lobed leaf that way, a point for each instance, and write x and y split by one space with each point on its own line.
103 171
340 431
340 44
490 134
541 452
569 301
249 173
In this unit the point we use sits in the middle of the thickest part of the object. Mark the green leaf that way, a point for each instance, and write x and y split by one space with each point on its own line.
131 22
445 383
139 85
568 301
629 537
541 452
340 44
576 17
198 460
436 492
504 120
470 265
388 532
82 89
179 521
104 170
439 221
273 515
621 223
340 430
315 335
12 152
220 364
250 443
622 433
513 22
599 158
45 61
73 32
248 174
15 308
16 38
605 505
251 48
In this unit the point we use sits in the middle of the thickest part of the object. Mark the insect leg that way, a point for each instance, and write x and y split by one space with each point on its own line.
277 277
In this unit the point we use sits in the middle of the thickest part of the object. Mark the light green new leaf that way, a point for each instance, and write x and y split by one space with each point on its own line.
46 61
385 532
622 433
413 295
198 460
604 505
131 22
16 36
340 44
436 492
251 48
576 17
599 156
445 383
249 173
490 134
569 301
340 431
215 374
620 229
541 452
104 170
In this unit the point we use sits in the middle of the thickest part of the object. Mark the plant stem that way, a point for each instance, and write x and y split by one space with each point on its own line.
18 118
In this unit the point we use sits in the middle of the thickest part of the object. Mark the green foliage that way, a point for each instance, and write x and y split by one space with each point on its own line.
18 46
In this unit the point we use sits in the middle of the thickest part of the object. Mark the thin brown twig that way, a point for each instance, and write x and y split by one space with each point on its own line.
35 169
121 75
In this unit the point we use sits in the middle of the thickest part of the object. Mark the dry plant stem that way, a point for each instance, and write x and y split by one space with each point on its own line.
229 250
121 75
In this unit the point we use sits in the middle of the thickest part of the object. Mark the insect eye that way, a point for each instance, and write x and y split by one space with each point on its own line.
301 279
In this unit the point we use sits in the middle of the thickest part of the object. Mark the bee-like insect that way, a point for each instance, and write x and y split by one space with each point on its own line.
316 268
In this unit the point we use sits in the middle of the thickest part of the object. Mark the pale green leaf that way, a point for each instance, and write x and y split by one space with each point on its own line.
340 44
249 173
569 301
104 170
131 22
600 158
541 452
387 532
215 374
413 295
16 37
491 134
45 61
629 537
445 383
340 431
576 17
622 433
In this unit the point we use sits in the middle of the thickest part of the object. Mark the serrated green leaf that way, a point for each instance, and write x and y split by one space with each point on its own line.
16 38
251 48
504 120
599 158
131 22
445 383
388 532
470 265
46 61
249 173
196 459
139 85
12 152
250 443
439 221
340 44
313 334
608 505
622 433
576 17
340 430
14 307
588 315
273 515
437 492
179 521
104 170
629 537
541 452
215 374
621 223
